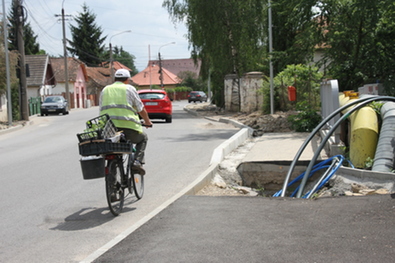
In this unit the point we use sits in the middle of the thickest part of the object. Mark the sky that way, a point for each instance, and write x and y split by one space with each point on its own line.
151 27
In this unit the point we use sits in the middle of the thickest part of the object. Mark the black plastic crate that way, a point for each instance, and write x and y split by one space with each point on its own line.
101 127
92 168
104 147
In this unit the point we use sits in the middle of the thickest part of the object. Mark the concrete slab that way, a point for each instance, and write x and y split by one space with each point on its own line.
267 163
281 147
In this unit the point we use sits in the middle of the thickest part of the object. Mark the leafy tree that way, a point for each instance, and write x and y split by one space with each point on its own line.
124 57
13 61
294 33
359 35
189 79
226 35
30 39
87 43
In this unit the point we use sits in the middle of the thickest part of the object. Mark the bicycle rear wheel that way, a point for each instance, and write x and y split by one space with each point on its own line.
114 191
138 184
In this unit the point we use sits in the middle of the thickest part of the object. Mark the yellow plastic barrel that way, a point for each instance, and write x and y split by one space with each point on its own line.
343 99
363 136
346 97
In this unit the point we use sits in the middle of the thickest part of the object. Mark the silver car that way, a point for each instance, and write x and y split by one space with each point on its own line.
197 96
54 105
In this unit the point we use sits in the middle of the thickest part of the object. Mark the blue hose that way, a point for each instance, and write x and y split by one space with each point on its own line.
317 167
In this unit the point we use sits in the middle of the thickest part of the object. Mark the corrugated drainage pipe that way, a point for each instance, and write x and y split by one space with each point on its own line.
385 152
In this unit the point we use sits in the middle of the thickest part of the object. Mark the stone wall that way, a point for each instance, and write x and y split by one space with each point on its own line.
242 94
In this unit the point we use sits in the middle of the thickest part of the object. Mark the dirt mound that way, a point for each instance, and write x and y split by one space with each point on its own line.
261 123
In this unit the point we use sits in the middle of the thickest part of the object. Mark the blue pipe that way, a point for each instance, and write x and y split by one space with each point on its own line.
325 178
316 168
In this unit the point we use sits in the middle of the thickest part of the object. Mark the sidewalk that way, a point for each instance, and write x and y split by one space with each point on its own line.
191 228
256 229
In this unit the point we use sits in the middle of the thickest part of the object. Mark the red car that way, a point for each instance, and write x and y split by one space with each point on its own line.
157 104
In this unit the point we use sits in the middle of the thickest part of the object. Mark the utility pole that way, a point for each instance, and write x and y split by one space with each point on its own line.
7 65
160 71
160 64
66 67
150 66
111 65
20 11
270 56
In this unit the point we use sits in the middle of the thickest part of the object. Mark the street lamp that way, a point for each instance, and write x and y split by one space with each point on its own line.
111 59
160 64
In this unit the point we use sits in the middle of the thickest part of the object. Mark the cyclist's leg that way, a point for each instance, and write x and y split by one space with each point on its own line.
140 140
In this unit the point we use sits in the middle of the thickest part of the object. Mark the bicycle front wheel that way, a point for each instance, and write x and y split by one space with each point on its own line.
114 191
138 184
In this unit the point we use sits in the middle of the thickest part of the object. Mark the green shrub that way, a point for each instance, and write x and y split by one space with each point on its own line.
306 119
178 89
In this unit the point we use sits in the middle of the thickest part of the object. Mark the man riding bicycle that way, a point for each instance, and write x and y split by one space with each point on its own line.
122 103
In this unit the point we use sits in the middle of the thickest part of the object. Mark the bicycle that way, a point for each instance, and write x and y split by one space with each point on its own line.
108 155
118 177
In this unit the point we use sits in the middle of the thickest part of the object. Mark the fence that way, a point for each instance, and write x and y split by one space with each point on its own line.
34 106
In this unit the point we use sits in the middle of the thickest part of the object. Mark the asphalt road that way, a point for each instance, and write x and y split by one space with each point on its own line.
50 214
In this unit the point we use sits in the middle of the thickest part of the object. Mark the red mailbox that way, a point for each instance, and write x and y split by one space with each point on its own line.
291 93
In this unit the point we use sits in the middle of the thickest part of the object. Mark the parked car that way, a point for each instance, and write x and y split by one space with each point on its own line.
197 96
54 105
157 103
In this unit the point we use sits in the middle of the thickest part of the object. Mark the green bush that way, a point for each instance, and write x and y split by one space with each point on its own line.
305 78
178 89
306 119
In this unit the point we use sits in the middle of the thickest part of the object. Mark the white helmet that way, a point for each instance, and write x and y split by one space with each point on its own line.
122 73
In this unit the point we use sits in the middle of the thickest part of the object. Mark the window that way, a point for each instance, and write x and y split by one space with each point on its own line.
151 96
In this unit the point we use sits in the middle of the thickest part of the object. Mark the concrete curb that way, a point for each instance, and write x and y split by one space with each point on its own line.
204 179
17 127
228 146
11 129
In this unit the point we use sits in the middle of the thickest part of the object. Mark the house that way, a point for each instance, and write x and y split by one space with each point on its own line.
176 66
40 79
78 77
98 78
150 76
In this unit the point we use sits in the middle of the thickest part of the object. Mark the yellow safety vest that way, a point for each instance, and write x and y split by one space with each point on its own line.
115 104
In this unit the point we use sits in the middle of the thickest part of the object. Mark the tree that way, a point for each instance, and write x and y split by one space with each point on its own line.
124 57
13 61
359 35
30 39
227 35
294 32
385 48
191 80
87 43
